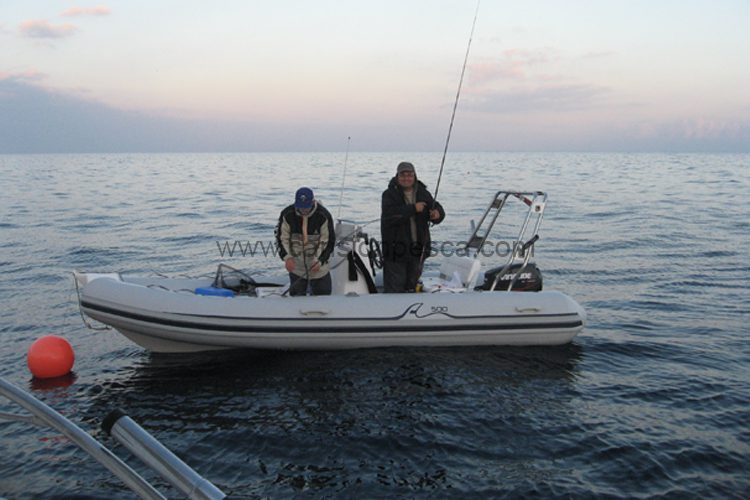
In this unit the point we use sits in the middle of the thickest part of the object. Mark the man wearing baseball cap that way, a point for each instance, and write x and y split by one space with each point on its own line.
305 238
407 211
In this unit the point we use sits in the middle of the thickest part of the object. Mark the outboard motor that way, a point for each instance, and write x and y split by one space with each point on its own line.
530 280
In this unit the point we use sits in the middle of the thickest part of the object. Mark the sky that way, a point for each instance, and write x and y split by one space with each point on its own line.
252 75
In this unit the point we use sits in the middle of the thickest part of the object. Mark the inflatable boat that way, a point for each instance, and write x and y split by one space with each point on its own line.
461 305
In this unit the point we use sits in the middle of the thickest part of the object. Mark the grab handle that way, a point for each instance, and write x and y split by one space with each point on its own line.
314 312
528 309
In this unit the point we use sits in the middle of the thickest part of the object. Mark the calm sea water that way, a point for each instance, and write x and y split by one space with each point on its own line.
652 399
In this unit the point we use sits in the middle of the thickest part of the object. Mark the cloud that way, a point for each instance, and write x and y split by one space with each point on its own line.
489 71
544 98
709 128
23 76
512 64
39 120
99 10
41 28
521 80
36 119
699 129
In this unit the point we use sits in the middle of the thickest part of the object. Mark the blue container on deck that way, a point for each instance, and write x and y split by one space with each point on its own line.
214 292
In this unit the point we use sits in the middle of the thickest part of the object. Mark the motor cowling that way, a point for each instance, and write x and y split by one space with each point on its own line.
530 279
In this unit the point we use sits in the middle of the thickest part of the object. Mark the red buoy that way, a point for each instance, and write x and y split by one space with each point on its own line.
50 356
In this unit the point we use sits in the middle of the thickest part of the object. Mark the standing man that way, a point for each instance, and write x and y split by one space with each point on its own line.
305 238
407 210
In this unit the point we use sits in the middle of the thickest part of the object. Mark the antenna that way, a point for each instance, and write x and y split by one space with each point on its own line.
343 180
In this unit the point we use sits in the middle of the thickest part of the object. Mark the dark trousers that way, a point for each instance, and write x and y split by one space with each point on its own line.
320 286
401 275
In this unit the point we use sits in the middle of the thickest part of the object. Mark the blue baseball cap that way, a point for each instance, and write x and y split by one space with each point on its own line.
304 198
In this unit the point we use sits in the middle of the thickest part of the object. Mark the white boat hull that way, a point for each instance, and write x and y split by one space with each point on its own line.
164 315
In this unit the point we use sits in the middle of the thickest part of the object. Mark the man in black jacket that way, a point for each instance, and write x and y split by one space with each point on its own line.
407 210
305 238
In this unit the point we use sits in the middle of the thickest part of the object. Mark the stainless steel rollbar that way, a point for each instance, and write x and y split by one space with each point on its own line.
43 415
536 202
141 444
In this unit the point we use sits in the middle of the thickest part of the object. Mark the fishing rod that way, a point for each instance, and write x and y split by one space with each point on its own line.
455 104
343 180
448 138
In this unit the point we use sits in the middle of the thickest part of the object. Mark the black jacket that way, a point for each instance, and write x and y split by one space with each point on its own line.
395 225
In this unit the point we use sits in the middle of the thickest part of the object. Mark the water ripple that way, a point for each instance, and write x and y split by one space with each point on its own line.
649 401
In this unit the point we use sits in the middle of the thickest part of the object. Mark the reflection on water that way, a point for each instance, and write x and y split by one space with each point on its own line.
47 384
328 420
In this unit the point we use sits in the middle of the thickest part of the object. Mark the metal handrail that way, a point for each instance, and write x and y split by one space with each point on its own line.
43 414
536 201
144 446
127 432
